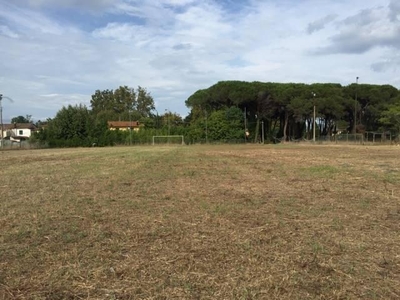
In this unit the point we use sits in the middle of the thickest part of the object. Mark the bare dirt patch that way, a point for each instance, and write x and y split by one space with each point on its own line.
201 222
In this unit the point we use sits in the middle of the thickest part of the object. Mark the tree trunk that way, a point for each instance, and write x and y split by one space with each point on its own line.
285 126
257 133
272 128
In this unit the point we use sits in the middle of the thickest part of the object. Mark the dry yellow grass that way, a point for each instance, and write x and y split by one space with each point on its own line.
201 222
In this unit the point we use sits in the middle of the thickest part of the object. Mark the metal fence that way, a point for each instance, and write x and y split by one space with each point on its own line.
348 138
10 145
366 138
359 138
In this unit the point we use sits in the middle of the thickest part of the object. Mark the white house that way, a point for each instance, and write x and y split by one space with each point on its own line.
18 130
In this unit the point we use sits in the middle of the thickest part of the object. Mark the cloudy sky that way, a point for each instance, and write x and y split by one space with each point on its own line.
58 52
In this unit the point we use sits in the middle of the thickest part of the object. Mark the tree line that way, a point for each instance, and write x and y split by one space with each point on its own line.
229 111
79 125
287 109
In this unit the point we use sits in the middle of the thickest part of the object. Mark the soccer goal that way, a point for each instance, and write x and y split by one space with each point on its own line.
168 139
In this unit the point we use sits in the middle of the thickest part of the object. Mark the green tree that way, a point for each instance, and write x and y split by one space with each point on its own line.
144 102
226 125
170 121
287 108
70 127
391 118
22 119
124 99
102 101
122 104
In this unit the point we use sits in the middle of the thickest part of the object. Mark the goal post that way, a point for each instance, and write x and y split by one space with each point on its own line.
168 139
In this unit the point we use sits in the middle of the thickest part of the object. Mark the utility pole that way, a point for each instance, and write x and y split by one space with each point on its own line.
262 132
245 125
1 117
206 128
1 120
355 109
130 128
168 113
157 121
314 126
314 121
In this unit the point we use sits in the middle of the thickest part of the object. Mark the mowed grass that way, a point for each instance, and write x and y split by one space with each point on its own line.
201 222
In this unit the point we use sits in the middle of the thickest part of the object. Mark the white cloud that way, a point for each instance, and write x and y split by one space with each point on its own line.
394 10
178 2
86 4
368 29
5 30
174 47
121 32
390 60
320 23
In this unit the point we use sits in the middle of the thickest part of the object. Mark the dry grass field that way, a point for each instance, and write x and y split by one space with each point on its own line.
201 222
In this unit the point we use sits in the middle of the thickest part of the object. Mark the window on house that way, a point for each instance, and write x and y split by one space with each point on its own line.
20 132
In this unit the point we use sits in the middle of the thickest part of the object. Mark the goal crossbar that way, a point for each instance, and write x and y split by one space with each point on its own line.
169 136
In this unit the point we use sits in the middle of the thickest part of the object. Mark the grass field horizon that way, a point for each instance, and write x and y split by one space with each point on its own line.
201 222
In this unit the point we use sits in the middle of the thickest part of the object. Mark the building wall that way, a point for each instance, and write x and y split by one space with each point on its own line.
23 132
17 132
124 128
